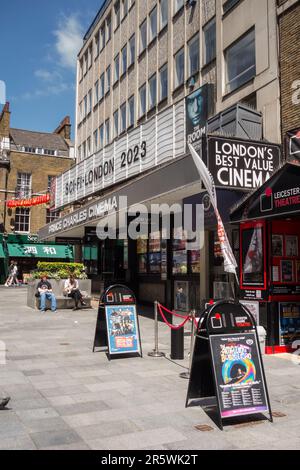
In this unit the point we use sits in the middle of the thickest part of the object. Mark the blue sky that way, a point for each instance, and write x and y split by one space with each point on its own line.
39 43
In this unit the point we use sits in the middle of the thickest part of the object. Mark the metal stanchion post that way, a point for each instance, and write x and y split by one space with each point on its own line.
156 352
186 375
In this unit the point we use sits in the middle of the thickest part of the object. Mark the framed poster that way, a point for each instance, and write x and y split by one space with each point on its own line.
181 295
287 271
289 322
277 245
179 262
240 385
253 308
291 245
122 329
154 262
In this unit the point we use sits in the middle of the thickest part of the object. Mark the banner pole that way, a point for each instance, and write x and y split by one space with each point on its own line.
156 352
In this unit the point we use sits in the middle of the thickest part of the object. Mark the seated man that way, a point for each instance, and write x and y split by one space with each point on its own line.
45 290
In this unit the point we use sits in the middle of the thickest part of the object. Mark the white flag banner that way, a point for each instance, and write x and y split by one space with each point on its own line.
230 263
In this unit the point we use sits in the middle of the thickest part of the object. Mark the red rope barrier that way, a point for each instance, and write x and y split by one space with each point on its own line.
177 327
172 313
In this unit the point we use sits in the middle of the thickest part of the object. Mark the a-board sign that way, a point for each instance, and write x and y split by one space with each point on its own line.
238 375
122 329
117 328
227 367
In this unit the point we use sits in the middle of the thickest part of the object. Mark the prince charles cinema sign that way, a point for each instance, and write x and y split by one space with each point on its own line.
241 164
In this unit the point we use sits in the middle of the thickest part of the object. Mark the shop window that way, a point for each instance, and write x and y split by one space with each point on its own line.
149 254
179 255
240 62
209 34
252 257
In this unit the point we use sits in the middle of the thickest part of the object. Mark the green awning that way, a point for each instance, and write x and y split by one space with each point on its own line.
16 250
2 255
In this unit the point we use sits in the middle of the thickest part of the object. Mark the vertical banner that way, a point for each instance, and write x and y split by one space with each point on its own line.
199 105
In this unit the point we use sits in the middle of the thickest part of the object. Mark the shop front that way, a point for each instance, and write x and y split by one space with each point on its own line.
26 250
269 222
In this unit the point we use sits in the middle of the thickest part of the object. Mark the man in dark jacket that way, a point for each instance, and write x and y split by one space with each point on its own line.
45 290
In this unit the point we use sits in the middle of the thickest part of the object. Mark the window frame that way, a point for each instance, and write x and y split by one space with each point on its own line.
143 24
177 84
152 104
152 36
144 89
204 30
192 41
161 70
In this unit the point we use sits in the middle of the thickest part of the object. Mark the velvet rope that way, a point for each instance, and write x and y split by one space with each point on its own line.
172 313
173 327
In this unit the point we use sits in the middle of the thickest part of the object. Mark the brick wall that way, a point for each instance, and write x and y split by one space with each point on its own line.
39 167
290 66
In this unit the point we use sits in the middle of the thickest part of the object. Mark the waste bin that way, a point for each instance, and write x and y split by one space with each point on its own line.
262 338
177 344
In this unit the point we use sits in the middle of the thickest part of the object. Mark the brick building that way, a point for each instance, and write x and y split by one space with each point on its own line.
28 162
289 39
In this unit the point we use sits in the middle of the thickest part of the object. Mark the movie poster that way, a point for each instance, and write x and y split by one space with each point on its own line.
122 329
289 322
238 373
198 108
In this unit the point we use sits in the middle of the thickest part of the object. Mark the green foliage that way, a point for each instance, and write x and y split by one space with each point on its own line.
59 270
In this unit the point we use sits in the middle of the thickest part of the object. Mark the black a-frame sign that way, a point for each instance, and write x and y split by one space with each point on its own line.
227 367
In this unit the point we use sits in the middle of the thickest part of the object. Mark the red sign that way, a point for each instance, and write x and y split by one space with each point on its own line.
34 201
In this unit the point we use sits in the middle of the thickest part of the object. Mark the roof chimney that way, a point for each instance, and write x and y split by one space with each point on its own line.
5 121
64 128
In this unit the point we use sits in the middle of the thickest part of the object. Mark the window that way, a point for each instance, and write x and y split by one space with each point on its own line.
117 68
51 178
209 49
79 153
163 13
123 117
163 82
108 79
240 62
102 86
95 140
96 96
85 63
101 136
90 56
116 123
117 14
22 220
143 36
81 69
85 106
51 216
84 150
89 147
108 28
89 102
153 24
47 152
131 50
143 100
179 68
229 4
102 37
193 47
131 113
23 189
177 5
97 43
107 131
80 112
124 8
152 91
124 59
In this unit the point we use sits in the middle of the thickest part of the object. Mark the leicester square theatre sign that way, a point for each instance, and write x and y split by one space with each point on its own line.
240 164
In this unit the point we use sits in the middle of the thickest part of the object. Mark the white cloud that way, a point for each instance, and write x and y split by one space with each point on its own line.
68 40
47 75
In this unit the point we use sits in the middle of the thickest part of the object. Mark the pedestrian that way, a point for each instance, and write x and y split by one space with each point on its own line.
10 274
71 289
15 273
45 292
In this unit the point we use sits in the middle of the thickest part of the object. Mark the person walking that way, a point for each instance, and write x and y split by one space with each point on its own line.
10 274
72 290
45 290
15 273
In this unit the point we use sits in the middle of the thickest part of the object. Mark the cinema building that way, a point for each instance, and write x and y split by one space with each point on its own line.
150 81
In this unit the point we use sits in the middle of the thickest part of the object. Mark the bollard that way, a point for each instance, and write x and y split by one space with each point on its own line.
177 344
156 352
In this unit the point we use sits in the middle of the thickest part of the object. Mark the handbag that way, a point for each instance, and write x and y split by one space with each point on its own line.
37 295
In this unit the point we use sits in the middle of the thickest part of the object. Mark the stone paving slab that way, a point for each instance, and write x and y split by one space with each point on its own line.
66 397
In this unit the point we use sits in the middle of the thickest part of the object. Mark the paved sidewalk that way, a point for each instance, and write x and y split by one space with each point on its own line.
66 397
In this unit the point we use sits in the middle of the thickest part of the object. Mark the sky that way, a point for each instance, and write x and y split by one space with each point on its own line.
39 42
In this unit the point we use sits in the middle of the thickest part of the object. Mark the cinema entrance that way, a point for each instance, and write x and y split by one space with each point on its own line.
269 222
